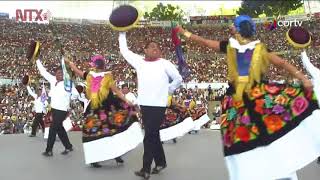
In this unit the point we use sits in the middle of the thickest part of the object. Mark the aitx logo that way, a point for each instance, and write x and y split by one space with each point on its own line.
281 23
33 15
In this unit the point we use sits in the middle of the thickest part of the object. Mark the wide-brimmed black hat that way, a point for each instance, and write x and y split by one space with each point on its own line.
298 37
124 18
25 80
33 50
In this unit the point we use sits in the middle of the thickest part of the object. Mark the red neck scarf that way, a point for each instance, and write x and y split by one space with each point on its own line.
151 59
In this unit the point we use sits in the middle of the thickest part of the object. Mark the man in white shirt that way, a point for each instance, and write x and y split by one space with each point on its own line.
60 103
153 74
129 95
39 106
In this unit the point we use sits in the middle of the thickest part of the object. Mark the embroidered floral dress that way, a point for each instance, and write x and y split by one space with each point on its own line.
106 114
174 114
256 112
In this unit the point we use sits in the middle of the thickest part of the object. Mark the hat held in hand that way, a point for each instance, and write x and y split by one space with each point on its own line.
298 37
124 18
33 50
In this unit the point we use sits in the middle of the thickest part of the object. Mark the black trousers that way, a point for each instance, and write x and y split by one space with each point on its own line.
152 118
57 128
38 120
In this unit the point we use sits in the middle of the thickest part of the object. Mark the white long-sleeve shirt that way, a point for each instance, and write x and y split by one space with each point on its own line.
60 98
39 106
314 72
82 98
131 97
153 77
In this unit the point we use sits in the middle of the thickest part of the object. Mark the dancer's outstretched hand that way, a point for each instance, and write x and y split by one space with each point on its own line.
180 29
307 84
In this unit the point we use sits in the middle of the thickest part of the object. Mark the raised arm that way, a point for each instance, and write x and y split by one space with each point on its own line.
129 56
279 62
31 93
213 44
75 69
44 73
173 73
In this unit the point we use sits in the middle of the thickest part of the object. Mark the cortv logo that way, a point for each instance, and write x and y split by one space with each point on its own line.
271 25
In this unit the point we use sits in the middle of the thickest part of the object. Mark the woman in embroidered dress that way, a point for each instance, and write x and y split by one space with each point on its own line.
264 125
197 112
175 114
110 128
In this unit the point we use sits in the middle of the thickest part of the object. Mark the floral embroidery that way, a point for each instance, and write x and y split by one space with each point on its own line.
272 89
102 124
299 105
274 105
238 104
291 91
243 133
227 139
232 113
259 105
278 109
273 123
256 92
268 101
281 99
286 116
255 130
245 120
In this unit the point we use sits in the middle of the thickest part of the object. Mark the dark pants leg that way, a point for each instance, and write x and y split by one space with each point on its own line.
57 128
38 120
152 118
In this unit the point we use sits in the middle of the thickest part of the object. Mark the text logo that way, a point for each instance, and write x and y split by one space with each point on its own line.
33 15
271 25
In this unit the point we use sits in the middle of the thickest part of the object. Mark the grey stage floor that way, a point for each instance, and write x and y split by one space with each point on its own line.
194 157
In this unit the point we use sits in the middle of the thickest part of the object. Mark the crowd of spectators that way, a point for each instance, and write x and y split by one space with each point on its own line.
82 41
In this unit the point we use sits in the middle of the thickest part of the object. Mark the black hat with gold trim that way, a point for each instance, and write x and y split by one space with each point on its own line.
34 50
124 18
298 37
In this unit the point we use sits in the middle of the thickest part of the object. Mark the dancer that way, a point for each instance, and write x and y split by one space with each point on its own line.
265 125
39 107
174 115
106 116
153 74
60 102
300 38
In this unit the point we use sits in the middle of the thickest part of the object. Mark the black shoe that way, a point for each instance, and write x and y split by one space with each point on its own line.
32 135
174 140
318 161
119 160
95 165
66 151
142 174
158 169
47 153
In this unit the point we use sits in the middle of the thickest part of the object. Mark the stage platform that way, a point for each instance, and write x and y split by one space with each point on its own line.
194 157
